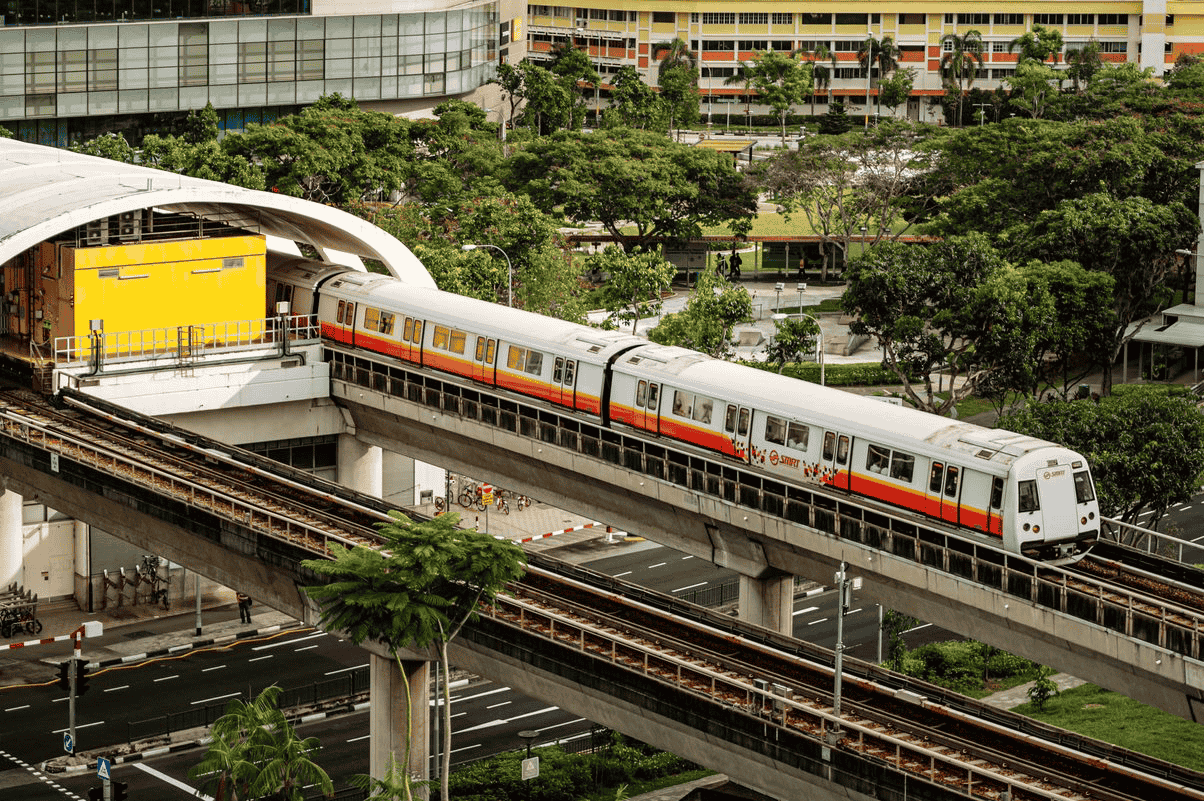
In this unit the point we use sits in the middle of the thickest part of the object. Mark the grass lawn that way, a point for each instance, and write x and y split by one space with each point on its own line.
1115 719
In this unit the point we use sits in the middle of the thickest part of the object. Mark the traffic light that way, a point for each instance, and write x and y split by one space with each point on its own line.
119 789
64 681
81 677
96 794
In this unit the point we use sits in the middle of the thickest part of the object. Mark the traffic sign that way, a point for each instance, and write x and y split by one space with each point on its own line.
487 494
104 768
530 767
68 743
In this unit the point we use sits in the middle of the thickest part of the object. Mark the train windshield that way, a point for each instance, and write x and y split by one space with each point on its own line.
1028 496
1083 490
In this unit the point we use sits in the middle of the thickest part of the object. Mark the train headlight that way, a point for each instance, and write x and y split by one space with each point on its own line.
1082 521
1091 515
1026 526
1036 529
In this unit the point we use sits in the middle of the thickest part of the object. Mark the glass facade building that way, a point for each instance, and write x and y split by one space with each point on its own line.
55 77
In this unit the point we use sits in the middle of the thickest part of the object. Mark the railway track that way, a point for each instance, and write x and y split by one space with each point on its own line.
894 721
281 502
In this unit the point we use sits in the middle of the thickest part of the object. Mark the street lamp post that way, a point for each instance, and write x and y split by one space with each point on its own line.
777 304
509 270
982 111
819 336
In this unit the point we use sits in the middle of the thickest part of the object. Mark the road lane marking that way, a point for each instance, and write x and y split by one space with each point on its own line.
288 642
167 678
163 777
344 670
261 658
805 611
813 622
15 708
503 703
215 698
218 667
620 575
690 587
658 564
306 648
78 726
115 689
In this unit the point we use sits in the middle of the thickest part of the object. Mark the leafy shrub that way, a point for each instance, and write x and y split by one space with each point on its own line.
868 374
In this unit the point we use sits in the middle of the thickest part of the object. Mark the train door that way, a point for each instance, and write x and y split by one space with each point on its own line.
345 322
834 459
737 425
1057 496
564 378
483 359
647 405
975 499
944 491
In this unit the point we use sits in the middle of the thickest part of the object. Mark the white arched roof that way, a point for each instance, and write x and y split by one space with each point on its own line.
45 191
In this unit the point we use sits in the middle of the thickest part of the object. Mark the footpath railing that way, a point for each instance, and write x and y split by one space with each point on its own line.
347 685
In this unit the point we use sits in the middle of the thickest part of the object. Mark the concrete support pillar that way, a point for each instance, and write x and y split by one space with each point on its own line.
12 544
397 481
82 558
390 722
768 602
359 465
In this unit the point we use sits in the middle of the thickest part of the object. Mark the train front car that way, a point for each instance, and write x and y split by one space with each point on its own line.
1052 512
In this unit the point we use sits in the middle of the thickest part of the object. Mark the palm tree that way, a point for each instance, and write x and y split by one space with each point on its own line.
254 752
676 54
821 73
743 76
881 53
961 63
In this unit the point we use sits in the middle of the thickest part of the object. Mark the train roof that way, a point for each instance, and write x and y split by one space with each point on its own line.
492 319
782 395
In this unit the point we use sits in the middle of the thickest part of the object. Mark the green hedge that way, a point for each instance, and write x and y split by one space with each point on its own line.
864 374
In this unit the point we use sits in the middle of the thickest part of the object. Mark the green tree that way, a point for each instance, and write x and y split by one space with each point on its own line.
634 104
961 64
705 324
549 100
573 68
418 590
836 121
894 624
1043 687
896 89
1041 44
510 80
1145 445
255 752
679 94
637 282
780 81
742 77
794 339
1083 63
200 126
954 306
1034 87
628 180
881 53
1133 240
107 146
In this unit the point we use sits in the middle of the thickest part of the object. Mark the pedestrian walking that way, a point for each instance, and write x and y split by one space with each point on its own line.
244 608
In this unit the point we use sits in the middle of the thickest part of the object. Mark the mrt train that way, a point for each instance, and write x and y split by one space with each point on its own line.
1027 495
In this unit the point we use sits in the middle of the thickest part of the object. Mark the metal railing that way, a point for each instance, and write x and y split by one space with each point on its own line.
347 685
279 525
1145 539
185 342
899 534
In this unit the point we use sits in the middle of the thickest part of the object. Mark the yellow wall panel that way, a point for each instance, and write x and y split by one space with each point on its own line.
1190 26
169 284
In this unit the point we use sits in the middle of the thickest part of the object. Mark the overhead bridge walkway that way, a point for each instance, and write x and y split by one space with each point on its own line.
232 516
769 531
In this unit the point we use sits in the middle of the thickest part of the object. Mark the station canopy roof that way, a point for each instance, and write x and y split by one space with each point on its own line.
46 191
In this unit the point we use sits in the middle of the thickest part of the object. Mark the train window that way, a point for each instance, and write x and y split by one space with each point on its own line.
877 459
516 360
842 450
570 373
702 410
934 478
558 370
371 318
798 436
729 420
458 340
775 430
417 331
902 466
742 429
534 362
408 330
1083 490
829 446
490 351
997 492
480 355
386 323
641 393
951 482
1028 501
683 404
654 397
439 340
342 309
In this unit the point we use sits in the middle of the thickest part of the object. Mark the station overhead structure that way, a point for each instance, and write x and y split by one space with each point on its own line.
86 239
